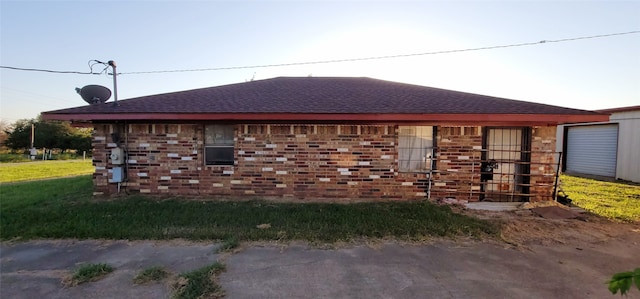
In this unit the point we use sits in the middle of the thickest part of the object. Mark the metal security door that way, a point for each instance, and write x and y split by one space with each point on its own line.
505 164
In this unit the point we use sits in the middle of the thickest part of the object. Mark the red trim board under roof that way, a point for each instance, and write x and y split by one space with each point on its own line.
377 118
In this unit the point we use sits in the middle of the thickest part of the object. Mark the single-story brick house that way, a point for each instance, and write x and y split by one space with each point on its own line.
325 137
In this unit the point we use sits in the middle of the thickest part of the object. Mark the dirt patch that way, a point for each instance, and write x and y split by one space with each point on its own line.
523 227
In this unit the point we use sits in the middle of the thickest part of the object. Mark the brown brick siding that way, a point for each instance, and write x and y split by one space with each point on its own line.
458 166
543 162
296 161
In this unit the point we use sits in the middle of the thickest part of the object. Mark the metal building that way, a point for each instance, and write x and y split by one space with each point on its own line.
607 149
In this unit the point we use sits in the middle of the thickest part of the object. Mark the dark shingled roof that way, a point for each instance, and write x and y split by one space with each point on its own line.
319 95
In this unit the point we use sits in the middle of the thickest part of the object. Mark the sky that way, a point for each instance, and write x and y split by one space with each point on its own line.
145 36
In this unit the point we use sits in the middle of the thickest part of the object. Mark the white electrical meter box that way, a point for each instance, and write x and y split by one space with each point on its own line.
117 156
117 174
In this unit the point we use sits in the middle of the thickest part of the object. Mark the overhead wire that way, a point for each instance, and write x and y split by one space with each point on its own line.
91 63
47 71
104 71
34 94
383 57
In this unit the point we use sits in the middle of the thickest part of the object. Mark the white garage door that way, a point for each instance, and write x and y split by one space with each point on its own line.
592 149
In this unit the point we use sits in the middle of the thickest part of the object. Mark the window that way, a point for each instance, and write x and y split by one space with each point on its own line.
218 145
415 148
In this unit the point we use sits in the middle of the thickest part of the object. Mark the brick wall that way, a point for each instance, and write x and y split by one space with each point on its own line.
301 162
460 158
458 166
160 158
295 161
543 166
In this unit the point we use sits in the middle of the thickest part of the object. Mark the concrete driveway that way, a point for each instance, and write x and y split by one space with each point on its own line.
442 269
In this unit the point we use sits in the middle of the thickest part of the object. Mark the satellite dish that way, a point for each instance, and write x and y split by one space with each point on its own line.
94 94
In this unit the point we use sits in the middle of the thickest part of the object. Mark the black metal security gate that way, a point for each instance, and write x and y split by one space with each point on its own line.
505 167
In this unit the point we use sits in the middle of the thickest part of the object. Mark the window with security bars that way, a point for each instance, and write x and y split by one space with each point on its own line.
219 144
415 148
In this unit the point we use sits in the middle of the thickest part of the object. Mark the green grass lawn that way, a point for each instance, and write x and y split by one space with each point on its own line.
16 172
614 200
63 208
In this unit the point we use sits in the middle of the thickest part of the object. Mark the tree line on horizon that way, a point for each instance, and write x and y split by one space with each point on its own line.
59 135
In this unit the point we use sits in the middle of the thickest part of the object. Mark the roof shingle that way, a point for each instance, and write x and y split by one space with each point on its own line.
320 95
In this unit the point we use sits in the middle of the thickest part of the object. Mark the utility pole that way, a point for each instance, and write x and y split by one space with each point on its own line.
32 151
33 130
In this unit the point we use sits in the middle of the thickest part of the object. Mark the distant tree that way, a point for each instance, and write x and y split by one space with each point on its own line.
80 140
48 134
19 135
53 134
4 128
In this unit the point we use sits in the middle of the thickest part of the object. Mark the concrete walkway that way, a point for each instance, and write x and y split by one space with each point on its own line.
443 269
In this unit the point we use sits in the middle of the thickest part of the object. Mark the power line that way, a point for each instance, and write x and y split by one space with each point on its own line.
47 71
91 63
334 60
35 94
383 57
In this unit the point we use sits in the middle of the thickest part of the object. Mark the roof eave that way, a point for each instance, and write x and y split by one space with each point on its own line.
619 109
529 119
